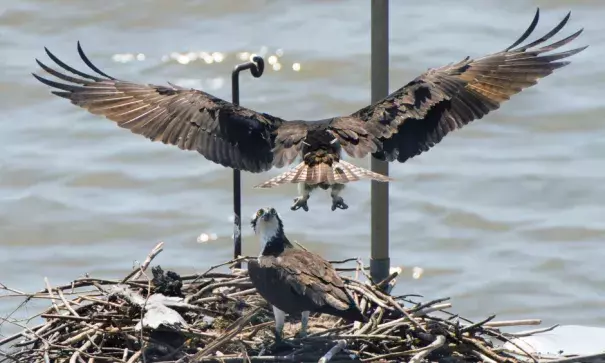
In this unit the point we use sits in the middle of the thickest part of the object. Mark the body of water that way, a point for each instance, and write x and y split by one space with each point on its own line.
505 216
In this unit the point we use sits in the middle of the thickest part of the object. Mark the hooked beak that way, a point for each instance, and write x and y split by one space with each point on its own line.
266 217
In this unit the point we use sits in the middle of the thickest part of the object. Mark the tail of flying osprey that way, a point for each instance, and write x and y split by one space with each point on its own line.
339 172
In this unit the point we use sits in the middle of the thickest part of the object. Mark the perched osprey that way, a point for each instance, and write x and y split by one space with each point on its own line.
404 124
293 280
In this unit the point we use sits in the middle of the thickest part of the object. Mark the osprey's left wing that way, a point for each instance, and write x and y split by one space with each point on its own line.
307 276
224 133
417 116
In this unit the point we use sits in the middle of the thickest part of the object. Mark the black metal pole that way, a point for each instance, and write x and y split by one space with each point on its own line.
256 67
379 260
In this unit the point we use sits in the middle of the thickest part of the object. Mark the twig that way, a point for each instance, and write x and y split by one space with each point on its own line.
50 292
400 308
135 356
438 343
239 324
437 307
337 262
340 345
368 294
301 246
230 262
498 324
67 304
136 273
476 325
531 332
428 304
484 350
84 346
483 357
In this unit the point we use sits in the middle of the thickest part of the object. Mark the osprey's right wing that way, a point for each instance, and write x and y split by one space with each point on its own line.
224 133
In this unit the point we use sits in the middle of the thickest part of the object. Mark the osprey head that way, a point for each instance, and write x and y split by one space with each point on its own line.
267 224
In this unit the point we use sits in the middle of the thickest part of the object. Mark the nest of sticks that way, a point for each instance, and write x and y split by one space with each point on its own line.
218 316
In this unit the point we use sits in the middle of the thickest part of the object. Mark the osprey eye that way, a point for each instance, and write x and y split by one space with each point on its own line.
272 211
259 213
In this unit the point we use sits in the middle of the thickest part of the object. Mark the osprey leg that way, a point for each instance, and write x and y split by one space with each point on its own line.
305 192
280 320
337 201
304 324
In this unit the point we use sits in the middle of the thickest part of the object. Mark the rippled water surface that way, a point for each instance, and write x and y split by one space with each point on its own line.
505 216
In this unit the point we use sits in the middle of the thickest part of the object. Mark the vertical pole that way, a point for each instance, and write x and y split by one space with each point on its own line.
379 258
237 186
256 67
237 211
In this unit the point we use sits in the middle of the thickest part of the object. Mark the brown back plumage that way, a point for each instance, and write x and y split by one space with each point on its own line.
297 280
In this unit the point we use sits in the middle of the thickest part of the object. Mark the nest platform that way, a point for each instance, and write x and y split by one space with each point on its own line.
215 316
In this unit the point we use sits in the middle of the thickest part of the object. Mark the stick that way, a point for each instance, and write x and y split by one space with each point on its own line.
476 325
483 357
301 246
434 308
370 296
50 292
238 326
340 345
497 324
531 332
67 305
400 308
136 273
84 346
135 356
439 341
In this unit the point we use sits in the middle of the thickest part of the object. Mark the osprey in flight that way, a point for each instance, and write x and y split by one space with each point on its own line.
293 280
404 124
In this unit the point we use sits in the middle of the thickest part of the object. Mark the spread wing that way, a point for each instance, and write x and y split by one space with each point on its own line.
224 133
306 275
417 116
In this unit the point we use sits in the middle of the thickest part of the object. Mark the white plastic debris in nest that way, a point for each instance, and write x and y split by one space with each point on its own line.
157 310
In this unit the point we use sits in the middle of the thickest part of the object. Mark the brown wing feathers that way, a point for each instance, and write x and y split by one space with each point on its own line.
321 284
224 133
406 123
418 115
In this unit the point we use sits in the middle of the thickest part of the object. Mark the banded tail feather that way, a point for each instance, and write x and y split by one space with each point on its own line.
340 172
